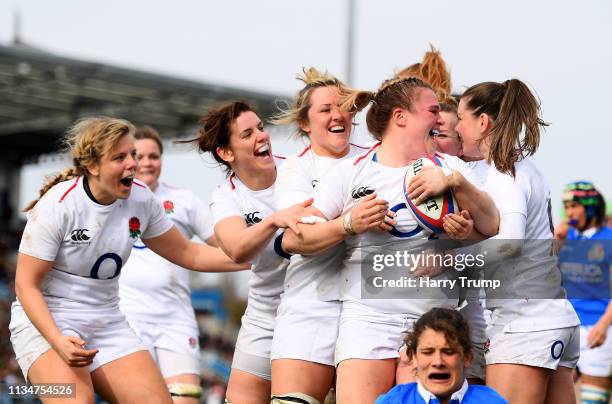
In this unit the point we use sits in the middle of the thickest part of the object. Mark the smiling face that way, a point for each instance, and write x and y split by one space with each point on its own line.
249 149
148 156
425 115
327 126
440 367
448 140
111 178
472 129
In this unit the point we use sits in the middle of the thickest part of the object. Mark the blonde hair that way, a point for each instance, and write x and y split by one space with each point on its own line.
298 112
433 71
393 93
87 140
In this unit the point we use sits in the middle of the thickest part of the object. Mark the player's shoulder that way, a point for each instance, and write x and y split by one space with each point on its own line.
483 394
364 156
140 192
605 233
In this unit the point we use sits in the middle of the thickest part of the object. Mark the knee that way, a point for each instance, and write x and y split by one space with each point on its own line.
590 394
293 398
185 390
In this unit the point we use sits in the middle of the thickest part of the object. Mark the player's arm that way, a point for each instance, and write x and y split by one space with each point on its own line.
599 332
432 181
30 274
242 242
175 247
368 214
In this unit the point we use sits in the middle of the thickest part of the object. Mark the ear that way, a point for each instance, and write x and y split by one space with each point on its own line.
93 169
398 116
304 126
484 123
469 357
225 153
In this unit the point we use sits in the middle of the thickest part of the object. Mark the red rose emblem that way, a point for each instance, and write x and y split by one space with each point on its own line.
169 207
134 227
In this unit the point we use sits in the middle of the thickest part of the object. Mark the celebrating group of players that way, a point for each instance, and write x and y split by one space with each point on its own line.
302 225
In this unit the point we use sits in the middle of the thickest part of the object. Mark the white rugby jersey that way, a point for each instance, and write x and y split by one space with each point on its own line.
339 192
315 276
233 198
87 242
153 289
536 269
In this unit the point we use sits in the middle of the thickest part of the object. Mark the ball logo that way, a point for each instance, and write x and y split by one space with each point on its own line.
360 192
79 236
134 227
252 218
430 212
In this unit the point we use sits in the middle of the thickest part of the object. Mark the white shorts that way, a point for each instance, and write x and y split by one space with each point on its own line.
473 313
306 330
254 344
175 347
106 330
595 361
368 334
545 349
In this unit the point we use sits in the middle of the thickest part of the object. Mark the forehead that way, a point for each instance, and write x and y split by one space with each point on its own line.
324 95
432 338
448 116
146 145
426 98
125 142
245 120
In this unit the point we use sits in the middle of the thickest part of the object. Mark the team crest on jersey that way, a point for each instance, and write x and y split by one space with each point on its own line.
134 227
252 218
169 207
360 192
79 236
596 253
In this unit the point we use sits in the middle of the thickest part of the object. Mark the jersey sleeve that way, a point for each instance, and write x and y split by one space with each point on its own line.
331 191
158 222
293 185
223 204
201 219
510 194
44 230
455 163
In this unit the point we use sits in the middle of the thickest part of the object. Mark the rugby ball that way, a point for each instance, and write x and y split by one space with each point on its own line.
429 213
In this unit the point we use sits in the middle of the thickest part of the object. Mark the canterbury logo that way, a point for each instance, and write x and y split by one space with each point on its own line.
79 235
361 192
252 218
314 183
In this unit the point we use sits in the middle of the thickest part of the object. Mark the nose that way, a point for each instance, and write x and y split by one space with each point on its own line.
131 162
263 135
437 359
336 114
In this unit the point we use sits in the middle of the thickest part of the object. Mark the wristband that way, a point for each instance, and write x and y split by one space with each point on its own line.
347 224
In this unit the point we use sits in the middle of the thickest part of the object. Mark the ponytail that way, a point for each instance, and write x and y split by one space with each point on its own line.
514 110
65 175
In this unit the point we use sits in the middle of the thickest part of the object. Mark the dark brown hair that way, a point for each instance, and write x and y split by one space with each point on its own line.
394 93
147 132
215 129
513 110
447 321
